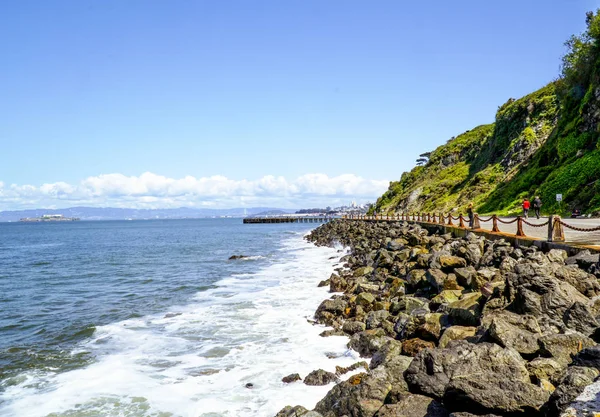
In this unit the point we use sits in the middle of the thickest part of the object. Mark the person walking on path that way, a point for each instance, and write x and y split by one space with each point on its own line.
537 205
471 215
526 205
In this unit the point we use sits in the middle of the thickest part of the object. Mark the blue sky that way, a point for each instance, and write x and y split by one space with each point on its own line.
228 103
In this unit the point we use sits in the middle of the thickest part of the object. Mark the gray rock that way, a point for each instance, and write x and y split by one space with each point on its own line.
297 411
583 259
320 377
389 349
477 377
456 333
562 347
585 283
571 385
545 368
579 317
291 378
589 357
376 318
413 405
465 276
520 332
360 395
466 311
557 255
368 342
351 327
436 278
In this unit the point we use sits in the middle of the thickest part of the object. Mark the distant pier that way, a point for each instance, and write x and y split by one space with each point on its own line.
289 219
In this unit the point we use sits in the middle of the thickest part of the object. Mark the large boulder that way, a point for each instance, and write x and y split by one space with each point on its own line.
368 342
579 317
329 310
585 283
467 310
589 357
545 369
388 350
320 377
436 278
365 300
465 276
361 395
520 332
456 333
412 347
449 262
479 378
376 318
413 405
431 327
351 327
563 347
571 385
337 283
297 411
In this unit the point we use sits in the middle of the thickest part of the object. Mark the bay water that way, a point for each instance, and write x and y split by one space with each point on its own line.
151 318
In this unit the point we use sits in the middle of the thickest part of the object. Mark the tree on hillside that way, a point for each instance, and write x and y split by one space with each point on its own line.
579 62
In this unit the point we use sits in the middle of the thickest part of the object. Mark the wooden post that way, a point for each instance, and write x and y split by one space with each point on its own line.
461 221
476 224
558 234
495 224
450 220
441 218
520 226
419 217
550 227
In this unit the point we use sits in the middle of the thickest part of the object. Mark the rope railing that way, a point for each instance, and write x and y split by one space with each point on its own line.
554 224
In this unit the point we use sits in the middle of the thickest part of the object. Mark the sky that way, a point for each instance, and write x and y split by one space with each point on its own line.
241 103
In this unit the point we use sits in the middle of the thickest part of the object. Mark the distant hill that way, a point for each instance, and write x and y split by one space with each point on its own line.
544 144
110 213
273 213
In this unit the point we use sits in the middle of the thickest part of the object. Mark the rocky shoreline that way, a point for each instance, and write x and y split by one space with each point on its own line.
456 327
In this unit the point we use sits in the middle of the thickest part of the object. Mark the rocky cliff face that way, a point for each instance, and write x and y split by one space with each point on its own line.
545 143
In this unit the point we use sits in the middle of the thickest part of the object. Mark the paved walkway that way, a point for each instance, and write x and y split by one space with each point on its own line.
589 238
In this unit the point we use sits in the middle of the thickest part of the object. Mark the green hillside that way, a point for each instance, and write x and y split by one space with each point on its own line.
545 143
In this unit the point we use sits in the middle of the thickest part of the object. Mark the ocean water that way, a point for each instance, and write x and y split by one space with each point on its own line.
150 318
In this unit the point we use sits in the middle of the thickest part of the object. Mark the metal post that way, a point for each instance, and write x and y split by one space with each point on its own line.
520 226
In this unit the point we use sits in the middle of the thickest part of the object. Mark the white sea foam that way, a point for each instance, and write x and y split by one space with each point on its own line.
196 360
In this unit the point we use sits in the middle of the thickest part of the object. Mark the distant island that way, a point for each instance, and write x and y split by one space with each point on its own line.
49 218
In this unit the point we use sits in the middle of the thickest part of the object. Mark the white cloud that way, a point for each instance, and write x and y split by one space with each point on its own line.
150 190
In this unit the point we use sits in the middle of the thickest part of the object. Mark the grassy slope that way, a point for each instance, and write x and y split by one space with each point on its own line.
531 149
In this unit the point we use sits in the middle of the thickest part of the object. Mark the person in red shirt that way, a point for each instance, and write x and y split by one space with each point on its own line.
526 206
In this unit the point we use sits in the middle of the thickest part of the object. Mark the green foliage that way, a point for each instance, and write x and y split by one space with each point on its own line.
579 62
529 135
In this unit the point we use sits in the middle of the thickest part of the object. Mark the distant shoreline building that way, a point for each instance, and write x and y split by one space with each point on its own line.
49 218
